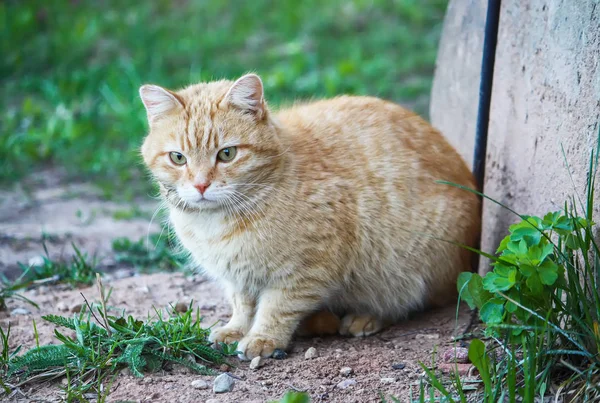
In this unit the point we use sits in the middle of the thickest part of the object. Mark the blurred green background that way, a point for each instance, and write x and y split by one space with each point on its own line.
70 70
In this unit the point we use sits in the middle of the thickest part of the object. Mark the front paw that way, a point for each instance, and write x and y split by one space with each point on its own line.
255 345
226 334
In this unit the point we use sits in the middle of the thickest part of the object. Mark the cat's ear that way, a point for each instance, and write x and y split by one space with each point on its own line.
158 101
247 95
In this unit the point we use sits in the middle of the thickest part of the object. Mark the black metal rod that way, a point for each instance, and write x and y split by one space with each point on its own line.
485 90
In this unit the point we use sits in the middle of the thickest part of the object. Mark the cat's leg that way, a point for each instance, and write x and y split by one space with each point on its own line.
361 325
243 307
278 315
320 323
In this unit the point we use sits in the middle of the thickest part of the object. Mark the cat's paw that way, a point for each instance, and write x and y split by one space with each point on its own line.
360 325
225 335
255 345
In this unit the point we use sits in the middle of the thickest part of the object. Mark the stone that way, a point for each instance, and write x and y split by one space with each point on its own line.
427 336
36 261
223 383
224 368
279 354
199 384
213 401
20 311
76 308
311 353
346 371
457 354
181 307
461 369
143 290
345 384
387 381
399 365
62 306
257 362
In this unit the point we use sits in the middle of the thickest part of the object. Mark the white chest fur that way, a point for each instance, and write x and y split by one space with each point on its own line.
235 259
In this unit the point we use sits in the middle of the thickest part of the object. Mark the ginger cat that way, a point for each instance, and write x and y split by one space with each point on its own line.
324 207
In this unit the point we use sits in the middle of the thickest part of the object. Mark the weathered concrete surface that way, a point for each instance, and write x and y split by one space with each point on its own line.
454 95
546 94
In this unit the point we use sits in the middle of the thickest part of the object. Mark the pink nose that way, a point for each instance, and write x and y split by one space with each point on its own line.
202 187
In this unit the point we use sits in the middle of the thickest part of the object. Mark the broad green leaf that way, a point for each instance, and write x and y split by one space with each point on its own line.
548 272
572 242
535 284
503 244
494 283
479 358
502 270
463 289
492 312
522 248
547 250
527 270
478 293
513 246
527 230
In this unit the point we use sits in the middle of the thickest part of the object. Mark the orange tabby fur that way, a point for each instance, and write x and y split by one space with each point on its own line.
331 204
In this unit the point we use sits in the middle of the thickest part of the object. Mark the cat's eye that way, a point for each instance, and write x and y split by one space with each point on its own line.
227 154
177 158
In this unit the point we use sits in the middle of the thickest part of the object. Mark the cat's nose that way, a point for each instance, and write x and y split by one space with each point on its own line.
202 187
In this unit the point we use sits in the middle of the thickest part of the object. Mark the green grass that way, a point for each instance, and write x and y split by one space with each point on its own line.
78 271
103 344
147 255
70 71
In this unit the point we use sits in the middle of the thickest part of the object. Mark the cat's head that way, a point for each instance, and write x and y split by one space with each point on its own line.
212 145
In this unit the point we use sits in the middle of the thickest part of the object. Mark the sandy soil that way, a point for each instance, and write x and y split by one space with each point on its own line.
54 209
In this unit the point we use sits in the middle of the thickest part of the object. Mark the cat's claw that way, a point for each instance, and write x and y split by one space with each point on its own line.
253 346
225 335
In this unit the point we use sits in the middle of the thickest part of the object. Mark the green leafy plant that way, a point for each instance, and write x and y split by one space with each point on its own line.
102 344
540 306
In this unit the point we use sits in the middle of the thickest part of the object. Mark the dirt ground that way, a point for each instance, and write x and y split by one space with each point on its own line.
75 213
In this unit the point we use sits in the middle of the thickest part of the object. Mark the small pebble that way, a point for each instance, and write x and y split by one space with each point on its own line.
345 384
256 362
399 366
19 311
213 401
461 369
460 354
36 261
224 368
181 307
147 380
432 336
311 353
279 354
223 383
143 290
388 380
346 371
63 307
200 384
76 308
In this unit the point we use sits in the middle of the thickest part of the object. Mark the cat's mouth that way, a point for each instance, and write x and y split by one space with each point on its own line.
176 201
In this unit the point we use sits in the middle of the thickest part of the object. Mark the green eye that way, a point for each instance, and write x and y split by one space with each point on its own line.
177 158
227 154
